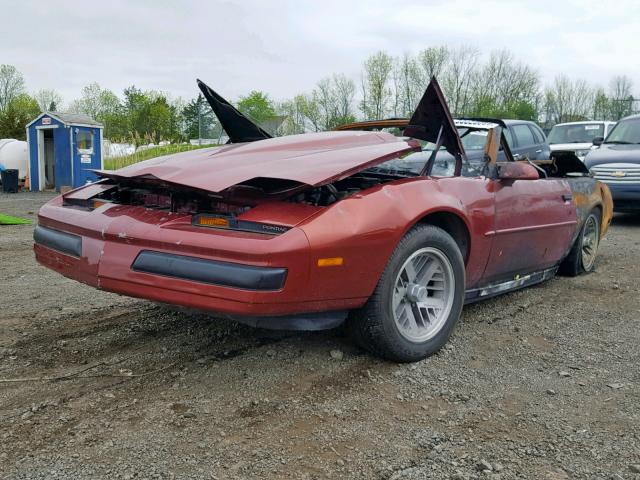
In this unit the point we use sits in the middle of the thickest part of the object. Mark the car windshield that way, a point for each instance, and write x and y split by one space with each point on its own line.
471 140
576 133
444 164
625 132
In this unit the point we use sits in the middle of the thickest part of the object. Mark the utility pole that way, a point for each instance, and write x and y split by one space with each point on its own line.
199 125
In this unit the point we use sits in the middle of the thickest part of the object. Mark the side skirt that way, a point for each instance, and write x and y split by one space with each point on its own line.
520 281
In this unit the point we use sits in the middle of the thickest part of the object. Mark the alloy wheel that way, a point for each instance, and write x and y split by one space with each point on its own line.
423 294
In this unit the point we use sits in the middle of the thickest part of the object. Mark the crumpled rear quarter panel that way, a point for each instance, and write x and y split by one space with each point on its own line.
588 194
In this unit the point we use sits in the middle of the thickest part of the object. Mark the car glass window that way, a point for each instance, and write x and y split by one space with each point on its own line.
508 136
576 133
537 134
444 163
473 142
412 163
523 135
626 131
609 128
396 131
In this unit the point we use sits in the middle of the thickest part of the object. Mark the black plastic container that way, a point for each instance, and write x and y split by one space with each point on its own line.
9 180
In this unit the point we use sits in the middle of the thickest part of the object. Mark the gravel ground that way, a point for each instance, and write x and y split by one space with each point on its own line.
537 384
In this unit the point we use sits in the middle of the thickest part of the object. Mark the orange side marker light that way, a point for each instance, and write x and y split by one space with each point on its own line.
330 262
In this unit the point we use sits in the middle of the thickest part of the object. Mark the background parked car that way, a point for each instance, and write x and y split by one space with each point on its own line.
578 137
526 139
617 163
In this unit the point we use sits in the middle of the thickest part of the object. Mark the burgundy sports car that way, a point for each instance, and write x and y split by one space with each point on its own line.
392 234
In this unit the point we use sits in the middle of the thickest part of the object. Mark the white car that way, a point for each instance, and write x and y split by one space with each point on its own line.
578 136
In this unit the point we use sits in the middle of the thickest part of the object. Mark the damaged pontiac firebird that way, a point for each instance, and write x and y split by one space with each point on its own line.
389 234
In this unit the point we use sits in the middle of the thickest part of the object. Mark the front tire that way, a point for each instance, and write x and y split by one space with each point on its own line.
417 301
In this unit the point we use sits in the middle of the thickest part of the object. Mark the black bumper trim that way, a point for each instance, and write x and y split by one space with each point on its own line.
247 277
305 322
57 240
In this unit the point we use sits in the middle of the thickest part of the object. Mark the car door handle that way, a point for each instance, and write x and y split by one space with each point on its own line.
539 151
567 197
516 156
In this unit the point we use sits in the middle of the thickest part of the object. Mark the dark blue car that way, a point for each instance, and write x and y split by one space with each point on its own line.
617 163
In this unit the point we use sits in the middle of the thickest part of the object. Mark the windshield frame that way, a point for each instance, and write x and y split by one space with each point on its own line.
494 140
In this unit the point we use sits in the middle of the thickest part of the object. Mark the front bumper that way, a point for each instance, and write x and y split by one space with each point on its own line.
626 197
162 257
211 272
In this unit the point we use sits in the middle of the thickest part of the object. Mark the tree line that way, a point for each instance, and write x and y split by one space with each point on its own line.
499 86
495 85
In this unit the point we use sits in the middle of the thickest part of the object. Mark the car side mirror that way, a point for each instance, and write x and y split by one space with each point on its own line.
517 171
597 141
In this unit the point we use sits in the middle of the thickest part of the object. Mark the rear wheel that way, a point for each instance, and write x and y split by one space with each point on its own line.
582 257
418 298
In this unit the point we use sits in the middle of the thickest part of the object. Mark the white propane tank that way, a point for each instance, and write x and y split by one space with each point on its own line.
14 154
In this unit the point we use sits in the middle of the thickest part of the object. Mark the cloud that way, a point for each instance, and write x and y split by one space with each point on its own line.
285 46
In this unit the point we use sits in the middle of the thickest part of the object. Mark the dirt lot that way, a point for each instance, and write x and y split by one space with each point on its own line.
539 384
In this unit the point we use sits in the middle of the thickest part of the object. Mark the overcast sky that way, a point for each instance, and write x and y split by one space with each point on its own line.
284 47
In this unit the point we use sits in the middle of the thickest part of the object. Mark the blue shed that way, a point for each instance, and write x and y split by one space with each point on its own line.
63 147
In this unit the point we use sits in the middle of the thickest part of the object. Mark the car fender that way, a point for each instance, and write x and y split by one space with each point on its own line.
365 228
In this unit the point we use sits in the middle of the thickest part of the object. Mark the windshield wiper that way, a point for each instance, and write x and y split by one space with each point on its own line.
392 171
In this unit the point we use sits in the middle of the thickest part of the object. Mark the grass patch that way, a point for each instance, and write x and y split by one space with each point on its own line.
10 220
114 163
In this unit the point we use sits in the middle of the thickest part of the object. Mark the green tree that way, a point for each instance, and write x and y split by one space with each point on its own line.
601 105
192 116
257 106
333 97
620 97
95 101
376 93
521 110
149 116
104 106
11 85
116 124
20 111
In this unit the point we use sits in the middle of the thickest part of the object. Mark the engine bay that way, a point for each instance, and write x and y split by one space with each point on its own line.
236 200
325 195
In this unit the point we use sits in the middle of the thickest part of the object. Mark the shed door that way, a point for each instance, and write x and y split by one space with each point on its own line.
53 163
86 154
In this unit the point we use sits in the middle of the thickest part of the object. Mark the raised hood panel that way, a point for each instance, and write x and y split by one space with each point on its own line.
432 121
237 125
310 159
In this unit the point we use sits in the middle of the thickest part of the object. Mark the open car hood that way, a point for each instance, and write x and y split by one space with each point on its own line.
432 121
284 164
238 127
290 162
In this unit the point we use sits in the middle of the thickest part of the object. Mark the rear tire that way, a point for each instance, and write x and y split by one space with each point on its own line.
582 257
417 301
